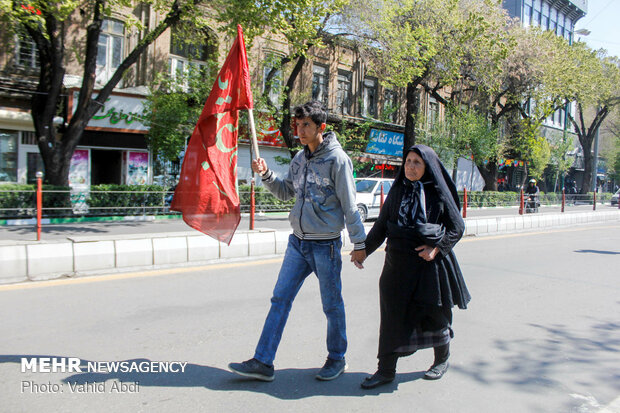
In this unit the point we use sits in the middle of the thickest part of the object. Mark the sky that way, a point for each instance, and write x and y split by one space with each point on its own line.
603 21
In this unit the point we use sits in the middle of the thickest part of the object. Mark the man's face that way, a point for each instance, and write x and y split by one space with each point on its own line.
309 132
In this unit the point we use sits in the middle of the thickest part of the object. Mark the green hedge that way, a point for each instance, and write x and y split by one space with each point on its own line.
477 199
265 201
126 200
19 201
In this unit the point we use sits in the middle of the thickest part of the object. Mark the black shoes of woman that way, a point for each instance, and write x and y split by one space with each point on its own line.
375 380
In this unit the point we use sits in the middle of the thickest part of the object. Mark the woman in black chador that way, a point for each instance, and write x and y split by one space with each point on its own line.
421 279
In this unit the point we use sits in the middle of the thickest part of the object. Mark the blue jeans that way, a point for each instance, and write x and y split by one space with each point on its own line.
301 258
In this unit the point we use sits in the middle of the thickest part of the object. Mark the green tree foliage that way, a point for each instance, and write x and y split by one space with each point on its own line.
173 107
431 44
48 24
598 93
298 24
463 132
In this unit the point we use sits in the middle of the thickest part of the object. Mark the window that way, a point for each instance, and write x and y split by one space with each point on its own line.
545 16
272 61
390 106
433 111
8 156
369 97
560 29
320 82
34 164
185 57
527 13
109 49
568 30
554 19
26 53
537 13
345 92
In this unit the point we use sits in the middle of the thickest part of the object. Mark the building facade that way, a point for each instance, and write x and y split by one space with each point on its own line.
113 148
560 17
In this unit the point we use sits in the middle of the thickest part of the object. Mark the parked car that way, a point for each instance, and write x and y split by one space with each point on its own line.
614 198
368 197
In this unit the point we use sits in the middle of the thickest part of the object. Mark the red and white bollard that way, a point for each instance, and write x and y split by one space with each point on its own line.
465 202
39 176
252 204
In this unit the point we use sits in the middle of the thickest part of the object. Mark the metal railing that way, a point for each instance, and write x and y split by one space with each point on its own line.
21 204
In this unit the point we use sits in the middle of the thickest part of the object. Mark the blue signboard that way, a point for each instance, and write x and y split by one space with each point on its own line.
384 142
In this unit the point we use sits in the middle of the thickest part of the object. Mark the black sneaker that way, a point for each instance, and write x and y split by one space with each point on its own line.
437 371
332 369
254 369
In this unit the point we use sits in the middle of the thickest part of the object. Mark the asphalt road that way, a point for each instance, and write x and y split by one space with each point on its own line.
541 334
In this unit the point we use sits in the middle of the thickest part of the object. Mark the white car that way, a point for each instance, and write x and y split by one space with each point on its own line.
614 198
368 198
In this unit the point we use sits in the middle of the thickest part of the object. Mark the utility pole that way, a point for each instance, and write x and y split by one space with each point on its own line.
595 160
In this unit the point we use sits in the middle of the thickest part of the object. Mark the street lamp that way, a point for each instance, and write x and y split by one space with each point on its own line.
583 32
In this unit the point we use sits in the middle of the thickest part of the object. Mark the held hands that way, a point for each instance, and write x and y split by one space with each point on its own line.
259 166
427 253
358 257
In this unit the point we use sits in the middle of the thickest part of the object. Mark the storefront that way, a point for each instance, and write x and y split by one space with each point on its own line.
19 154
113 148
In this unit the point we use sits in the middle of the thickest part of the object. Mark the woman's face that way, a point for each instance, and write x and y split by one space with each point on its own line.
414 166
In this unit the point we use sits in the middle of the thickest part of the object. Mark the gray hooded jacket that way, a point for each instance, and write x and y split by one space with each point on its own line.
322 183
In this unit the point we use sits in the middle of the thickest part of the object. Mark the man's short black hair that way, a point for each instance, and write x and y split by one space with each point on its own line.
313 110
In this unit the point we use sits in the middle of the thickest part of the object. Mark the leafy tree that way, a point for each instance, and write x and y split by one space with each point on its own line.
48 24
173 107
534 81
465 132
301 25
599 93
431 44
559 162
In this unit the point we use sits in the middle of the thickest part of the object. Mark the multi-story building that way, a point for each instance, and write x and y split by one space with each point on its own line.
113 148
559 16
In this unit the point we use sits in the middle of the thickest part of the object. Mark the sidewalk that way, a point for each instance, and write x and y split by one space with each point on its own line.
90 248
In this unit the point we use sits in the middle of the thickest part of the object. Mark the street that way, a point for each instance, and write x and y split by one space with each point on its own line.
541 334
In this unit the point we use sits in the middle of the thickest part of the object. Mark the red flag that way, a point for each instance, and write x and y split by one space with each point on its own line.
207 190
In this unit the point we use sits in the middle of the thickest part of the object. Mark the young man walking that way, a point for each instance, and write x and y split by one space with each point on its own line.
321 178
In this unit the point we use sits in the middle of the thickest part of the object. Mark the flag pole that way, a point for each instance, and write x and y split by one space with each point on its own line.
256 155
253 134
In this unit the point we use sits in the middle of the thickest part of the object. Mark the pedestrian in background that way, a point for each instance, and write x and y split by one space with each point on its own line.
421 280
320 177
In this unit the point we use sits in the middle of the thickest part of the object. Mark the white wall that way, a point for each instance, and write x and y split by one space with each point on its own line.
268 153
467 175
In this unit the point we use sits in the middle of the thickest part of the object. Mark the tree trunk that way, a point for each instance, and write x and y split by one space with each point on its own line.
285 124
588 162
413 108
57 149
586 139
489 173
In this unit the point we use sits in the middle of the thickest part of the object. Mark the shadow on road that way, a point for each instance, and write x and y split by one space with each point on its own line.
598 252
289 384
530 364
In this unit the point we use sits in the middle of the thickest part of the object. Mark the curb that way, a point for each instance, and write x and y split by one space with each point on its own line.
35 261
